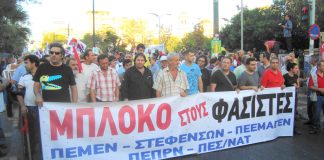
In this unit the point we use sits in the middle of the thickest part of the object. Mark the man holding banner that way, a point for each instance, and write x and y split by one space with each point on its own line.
138 80
272 77
53 80
171 81
104 83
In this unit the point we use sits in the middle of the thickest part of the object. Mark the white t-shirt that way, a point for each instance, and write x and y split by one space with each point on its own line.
27 82
82 79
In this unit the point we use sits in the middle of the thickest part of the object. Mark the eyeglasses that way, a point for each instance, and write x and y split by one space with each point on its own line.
56 53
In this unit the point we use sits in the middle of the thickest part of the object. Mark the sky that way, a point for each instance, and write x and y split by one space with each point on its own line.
51 14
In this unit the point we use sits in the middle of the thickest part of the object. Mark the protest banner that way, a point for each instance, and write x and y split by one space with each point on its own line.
165 127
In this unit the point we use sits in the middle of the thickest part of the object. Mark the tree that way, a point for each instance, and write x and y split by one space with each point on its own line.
53 37
196 40
173 44
106 39
261 24
13 22
134 32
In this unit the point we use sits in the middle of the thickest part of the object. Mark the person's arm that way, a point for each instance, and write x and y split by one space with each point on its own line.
125 86
117 93
91 85
3 85
264 80
312 87
200 85
213 82
22 105
298 82
289 25
158 84
213 87
38 94
74 92
93 95
248 88
184 93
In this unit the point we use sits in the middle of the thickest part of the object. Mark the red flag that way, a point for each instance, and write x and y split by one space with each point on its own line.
25 128
76 56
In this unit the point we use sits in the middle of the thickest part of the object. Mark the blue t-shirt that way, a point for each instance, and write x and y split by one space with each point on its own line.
121 71
193 73
19 72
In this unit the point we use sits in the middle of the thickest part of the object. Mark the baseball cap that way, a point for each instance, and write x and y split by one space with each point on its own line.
163 58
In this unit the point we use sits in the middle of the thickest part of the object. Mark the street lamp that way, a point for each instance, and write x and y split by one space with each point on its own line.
241 8
159 18
93 24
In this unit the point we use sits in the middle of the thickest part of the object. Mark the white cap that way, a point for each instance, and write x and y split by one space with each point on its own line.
163 58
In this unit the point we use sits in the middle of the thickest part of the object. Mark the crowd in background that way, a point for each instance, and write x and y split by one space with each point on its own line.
113 77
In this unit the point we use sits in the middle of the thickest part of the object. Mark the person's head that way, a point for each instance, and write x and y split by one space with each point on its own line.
152 60
139 60
202 61
240 53
244 58
89 56
127 63
292 55
164 62
189 56
320 66
112 61
129 56
292 67
103 62
251 64
73 63
140 48
287 59
226 63
31 62
250 53
48 57
314 60
231 56
287 17
95 60
117 55
173 60
43 60
213 61
274 63
56 52
273 55
264 57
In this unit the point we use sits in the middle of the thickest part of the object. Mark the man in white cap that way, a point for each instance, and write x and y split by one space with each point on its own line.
163 64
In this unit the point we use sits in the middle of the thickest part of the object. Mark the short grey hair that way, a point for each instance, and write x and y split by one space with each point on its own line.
244 58
172 55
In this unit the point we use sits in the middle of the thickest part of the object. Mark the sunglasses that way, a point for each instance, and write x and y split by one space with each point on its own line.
56 53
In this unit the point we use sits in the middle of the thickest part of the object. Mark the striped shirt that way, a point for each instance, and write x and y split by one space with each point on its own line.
105 84
165 84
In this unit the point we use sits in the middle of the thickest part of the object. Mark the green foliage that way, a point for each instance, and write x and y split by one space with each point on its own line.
13 22
261 24
196 40
106 39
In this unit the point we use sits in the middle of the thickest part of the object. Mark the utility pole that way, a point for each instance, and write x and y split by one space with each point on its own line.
216 17
311 22
242 25
93 24
68 30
